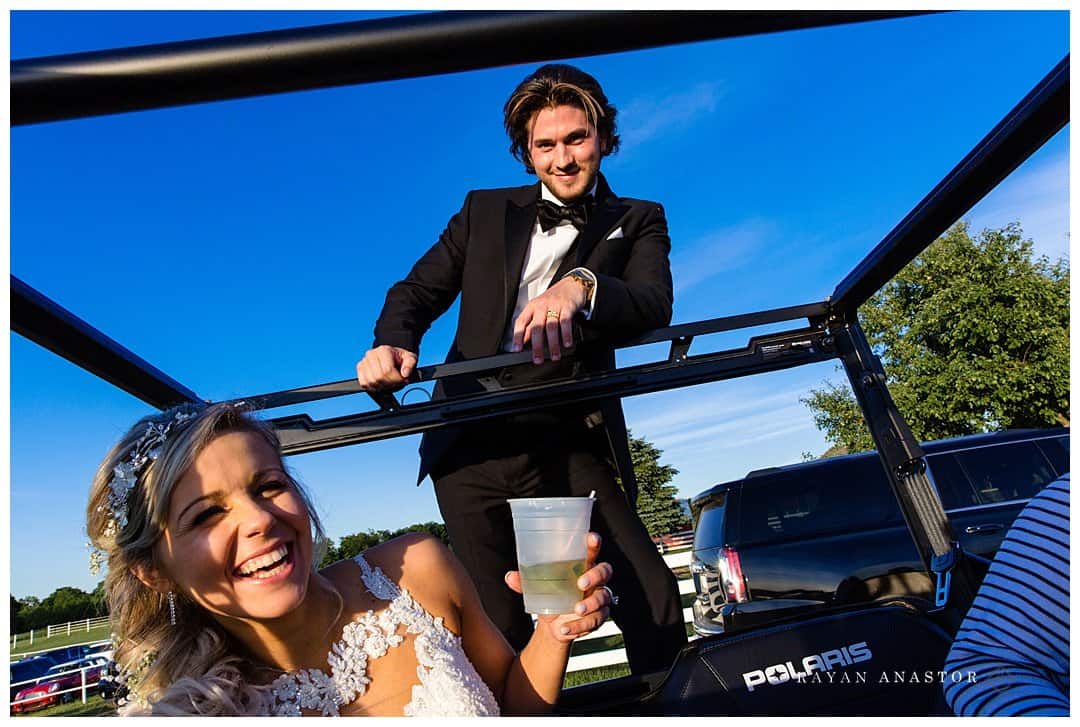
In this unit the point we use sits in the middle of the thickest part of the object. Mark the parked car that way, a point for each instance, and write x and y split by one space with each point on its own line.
53 687
73 653
25 669
829 532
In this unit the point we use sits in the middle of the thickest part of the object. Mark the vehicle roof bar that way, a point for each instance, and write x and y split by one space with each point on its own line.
77 85
40 319
768 352
681 336
1040 115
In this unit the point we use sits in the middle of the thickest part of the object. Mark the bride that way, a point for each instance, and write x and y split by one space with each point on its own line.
217 608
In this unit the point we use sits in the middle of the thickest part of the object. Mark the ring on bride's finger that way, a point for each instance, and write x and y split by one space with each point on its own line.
613 599
552 314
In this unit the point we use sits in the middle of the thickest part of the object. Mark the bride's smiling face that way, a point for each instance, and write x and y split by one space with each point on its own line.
238 538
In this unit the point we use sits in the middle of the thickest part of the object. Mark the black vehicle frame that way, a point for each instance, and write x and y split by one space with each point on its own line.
85 84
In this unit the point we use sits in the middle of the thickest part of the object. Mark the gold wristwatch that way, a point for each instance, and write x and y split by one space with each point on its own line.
585 279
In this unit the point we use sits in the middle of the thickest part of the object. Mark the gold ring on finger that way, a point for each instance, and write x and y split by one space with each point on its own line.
552 314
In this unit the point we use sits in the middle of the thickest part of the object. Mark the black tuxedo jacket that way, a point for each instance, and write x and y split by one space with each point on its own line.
481 254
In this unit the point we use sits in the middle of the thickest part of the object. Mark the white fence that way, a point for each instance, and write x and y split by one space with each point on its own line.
81 688
617 655
675 541
71 627
81 625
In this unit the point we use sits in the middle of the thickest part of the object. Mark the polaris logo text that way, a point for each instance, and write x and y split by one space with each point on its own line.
825 661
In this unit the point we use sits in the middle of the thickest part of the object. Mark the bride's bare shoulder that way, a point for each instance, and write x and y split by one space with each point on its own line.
414 557
417 561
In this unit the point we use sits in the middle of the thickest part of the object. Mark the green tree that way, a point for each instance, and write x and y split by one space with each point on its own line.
973 335
431 528
352 545
658 500
99 600
26 610
14 614
331 555
66 603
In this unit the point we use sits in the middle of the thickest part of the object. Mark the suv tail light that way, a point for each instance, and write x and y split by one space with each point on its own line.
731 576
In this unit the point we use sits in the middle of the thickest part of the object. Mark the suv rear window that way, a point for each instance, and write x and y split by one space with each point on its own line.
999 474
806 502
710 523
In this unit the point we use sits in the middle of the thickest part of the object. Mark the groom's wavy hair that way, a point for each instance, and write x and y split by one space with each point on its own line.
557 84
194 667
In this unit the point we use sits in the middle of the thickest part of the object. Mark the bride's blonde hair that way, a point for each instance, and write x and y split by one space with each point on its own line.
194 667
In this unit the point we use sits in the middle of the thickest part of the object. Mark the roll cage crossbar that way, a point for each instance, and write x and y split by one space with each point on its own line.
103 82
324 56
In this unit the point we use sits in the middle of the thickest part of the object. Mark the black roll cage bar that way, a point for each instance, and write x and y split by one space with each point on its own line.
144 77
323 56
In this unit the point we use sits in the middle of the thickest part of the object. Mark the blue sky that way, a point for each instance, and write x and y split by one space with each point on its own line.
246 246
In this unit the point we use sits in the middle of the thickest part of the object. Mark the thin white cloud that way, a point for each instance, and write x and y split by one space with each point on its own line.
720 431
1036 195
701 411
757 244
646 117
753 427
733 455
687 423
720 251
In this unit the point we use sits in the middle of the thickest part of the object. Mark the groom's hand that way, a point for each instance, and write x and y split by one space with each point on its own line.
549 317
385 368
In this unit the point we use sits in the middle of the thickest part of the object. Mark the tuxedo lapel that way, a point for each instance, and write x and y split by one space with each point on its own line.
520 219
605 215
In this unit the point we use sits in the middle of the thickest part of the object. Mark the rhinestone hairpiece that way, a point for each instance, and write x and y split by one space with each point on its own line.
146 450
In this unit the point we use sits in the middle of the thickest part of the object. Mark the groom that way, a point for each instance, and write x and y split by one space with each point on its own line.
528 261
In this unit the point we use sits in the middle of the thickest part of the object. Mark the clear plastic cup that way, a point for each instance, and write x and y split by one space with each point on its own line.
551 550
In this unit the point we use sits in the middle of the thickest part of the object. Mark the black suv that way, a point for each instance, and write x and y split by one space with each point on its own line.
830 532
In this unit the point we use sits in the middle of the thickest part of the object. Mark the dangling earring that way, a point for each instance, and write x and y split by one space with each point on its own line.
172 609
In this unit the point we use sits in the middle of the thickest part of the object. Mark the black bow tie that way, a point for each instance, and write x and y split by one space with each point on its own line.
550 214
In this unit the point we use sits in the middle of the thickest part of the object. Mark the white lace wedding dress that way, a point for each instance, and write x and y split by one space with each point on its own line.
449 685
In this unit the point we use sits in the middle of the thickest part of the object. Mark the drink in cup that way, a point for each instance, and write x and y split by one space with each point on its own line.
551 550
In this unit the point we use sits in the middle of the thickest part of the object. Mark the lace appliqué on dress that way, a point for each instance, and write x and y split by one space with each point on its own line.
449 684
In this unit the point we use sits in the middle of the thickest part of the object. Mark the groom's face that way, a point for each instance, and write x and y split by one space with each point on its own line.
565 151
238 537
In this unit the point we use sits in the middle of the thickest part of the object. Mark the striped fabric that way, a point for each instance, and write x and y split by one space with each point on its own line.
1015 638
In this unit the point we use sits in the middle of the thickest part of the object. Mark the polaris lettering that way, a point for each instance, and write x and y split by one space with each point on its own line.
823 662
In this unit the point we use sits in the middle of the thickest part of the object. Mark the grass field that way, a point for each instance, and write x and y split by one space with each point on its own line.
588 676
99 633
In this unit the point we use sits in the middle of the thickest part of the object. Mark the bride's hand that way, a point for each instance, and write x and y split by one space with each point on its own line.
591 611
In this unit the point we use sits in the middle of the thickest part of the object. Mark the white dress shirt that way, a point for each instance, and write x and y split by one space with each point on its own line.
544 256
